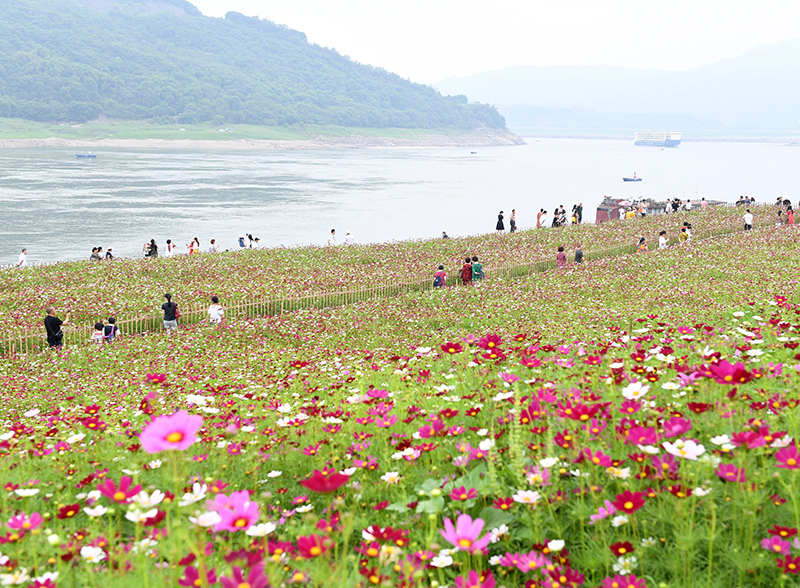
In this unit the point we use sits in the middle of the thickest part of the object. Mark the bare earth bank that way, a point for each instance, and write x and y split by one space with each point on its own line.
478 138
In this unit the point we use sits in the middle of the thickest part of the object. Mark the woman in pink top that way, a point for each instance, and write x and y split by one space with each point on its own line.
790 217
561 257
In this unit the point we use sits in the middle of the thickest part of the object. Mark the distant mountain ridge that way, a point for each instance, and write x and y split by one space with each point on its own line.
79 60
757 90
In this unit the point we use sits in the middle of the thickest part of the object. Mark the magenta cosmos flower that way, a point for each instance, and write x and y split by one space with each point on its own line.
624 582
788 458
476 580
255 579
175 431
465 533
776 545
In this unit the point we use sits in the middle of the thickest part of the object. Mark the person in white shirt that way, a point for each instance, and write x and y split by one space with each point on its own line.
332 238
748 220
213 247
23 259
170 248
662 240
543 220
349 239
688 205
215 312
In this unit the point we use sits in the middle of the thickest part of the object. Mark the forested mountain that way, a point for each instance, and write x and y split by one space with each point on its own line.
77 60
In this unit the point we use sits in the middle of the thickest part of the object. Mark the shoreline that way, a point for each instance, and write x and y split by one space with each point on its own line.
477 138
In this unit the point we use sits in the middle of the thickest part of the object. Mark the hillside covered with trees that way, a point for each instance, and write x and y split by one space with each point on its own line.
77 60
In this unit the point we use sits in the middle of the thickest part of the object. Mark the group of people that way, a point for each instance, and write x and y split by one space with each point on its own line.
560 216
216 313
152 250
471 273
97 254
348 239
500 227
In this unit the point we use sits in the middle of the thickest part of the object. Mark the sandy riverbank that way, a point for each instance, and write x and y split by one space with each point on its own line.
478 138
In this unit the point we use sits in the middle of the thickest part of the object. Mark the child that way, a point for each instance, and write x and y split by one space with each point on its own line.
477 269
683 236
440 278
561 257
215 312
466 272
111 330
97 335
642 248
662 240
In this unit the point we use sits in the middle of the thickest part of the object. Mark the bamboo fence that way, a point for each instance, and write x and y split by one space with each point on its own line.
192 314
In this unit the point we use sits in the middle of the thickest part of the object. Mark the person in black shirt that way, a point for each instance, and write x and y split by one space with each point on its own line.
111 330
170 309
52 324
579 254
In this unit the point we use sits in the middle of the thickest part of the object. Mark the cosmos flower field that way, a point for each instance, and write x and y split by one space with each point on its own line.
631 422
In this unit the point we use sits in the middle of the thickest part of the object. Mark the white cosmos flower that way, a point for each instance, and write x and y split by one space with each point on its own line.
686 449
635 390
670 386
702 492
18 576
619 520
348 471
305 508
625 565
26 492
498 532
391 477
92 554
146 500
721 440
274 474
782 442
548 462
526 497
738 314
556 545
206 519
197 494
32 413
130 472
649 449
155 464
97 511
261 529
76 438
621 473
7 436
140 516
486 444
442 561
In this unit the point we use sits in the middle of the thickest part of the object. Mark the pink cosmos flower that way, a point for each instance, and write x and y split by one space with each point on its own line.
788 458
465 533
157 378
175 431
24 523
508 377
191 577
237 512
730 473
603 513
474 580
122 494
676 426
597 458
462 493
629 581
255 579
776 545
531 562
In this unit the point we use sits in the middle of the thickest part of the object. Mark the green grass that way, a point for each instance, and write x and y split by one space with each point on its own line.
14 128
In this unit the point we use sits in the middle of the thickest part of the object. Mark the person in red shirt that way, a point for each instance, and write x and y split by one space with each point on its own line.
466 272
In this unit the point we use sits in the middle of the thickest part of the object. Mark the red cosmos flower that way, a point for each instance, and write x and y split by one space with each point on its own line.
381 505
629 502
749 439
461 493
123 494
325 481
503 503
494 353
789 565
592 360
777 500
371 550
680 491
68 511
313 546
298 364
785 532
452 347
788 458
699 407
490 341
622 548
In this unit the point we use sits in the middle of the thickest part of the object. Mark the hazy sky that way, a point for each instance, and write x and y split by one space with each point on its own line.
429 40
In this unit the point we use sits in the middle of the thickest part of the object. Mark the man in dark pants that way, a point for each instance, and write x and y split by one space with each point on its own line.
52 324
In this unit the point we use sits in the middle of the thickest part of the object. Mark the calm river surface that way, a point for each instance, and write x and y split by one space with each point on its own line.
59 206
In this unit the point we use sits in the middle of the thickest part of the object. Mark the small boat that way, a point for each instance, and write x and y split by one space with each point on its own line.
633 179
85 155
473 152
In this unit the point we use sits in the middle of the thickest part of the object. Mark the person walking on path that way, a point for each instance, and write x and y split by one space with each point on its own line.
440 278
23 259
332 238
171 314
466 272
579 253
500 226
53 324
215 312
477 269
512 222
748 220
539 218
561 257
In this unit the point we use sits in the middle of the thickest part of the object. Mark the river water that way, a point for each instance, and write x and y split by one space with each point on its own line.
59 206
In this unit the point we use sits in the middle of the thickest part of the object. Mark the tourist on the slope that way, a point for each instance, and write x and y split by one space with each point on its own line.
662 240
440 278
543 220
688 206
466 272
170 248
23 259
512 222
332 238
109 255
704 204
642 247
683 236
579 212
789 216
500 226
111 330
444 235
561 257
53 324
578 253
95 256
151 249
171 314
215 312
688 227
477 269
539 218
241 242
213 247
97 334
748 220
194 246
349 239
